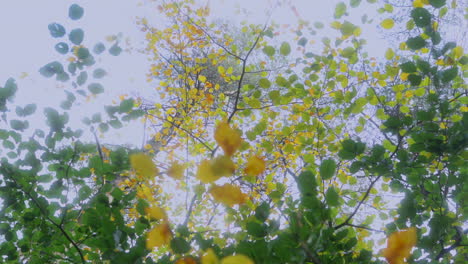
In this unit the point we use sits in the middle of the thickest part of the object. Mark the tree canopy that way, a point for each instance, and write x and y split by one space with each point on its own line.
264 144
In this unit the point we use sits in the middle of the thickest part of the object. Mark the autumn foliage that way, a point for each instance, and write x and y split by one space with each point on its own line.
263 144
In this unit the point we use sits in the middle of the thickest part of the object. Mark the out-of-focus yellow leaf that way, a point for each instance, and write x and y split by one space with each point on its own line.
399 246
209 257
228 194
176 171
156 212
228 138
143 165
223 166
160 235
255 166
186 260
387 23
205 172
237 259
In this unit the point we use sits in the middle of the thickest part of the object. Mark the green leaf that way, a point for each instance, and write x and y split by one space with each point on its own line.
99 73
269 50
302 42
50 69
103 127
115 50
61 48
285 49
306 182
355 3
82 77
347 28
76 36
281 81
96 88
75 12
424 66
327 169
449 74
264 83
332 197
62 76
436 38
318 25
262 212
116 124
27 110
408 67
437 3
56 30
421 17
275 97
19 125
255 229
340 10
45 178
348 52
416 43
99 48
179 245
83 53
126 105
8 144
84 192
414 79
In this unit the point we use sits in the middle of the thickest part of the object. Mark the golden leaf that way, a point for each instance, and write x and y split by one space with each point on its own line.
186 260
399 246
160 235
176 171
228 138
223 166
156 212
255 166
228 194
209 257
205 172
143 165
237 259
387 23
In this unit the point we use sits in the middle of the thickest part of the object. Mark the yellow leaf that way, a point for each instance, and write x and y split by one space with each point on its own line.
186 260
255 166
399 245
228 138
404 76
156 213
176 171
237 259
389 54
160 235
357 31
420 3
202 78
228 194
143 165
209 257
335 25
387 23
457 52
205 172
223 166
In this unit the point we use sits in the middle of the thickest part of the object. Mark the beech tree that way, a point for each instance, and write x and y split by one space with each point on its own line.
275 149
